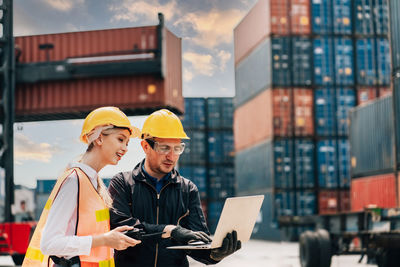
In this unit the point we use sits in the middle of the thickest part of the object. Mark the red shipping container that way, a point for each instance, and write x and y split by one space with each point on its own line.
75 98
384 91
265 17
365 94
344 201
328 201
303 112
379 190
300 17
282 109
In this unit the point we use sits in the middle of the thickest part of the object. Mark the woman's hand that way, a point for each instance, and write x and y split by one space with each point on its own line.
115 239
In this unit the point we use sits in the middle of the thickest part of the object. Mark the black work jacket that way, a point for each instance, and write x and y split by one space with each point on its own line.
136 201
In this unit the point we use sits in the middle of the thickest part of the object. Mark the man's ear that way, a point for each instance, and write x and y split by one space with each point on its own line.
145 146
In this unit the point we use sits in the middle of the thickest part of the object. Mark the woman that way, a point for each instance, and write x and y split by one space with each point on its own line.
74 227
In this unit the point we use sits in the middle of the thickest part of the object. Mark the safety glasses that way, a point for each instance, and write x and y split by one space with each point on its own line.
166 148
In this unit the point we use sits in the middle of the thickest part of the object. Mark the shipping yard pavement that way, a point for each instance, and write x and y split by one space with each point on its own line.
256 253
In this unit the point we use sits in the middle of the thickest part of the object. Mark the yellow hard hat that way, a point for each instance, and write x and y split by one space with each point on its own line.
163 124
107 116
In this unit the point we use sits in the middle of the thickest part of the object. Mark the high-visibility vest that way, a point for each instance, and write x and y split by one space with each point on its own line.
93 219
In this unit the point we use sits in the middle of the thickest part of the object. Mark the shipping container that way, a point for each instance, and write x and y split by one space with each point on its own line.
365 95
282 112
220 146
381 17
322 16
198 175
396 105
195 117
219 113
214 209
304 163
303 112
374 191
285 203
325 116
343 151
344 74
383 61
364 23
344 201
40 203
265 165
73 98
323 61
372 124
395 34
306 203
366 61
345 100
301 61
342 13
220 182
195 148
264 18
300 17
384 91
328 201
327 163
45 186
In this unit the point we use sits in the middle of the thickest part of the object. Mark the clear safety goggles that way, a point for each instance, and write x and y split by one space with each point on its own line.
166 148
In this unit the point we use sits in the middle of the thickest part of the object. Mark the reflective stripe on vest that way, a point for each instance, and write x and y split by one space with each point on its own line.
93 219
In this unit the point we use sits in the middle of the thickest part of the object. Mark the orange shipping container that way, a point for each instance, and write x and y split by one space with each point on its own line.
270 114
384 91
73 98
300 17
266 17
328 201
379 190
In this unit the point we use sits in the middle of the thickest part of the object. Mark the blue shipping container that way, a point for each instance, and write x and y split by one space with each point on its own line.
254 168
321 16
383 61
304 162
195 117
220 113
214 210
280 49
342 16
344 74
381 16
396 102
345 100
227 146
327 163
215 153
45 186
372 138
395 34
283 160
323 61
195 148
285 203
366 64
325 119
227 113
301 61
344 163
306 203
364 17
198 175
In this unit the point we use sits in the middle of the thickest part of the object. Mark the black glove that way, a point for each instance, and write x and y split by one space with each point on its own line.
230 244
183 235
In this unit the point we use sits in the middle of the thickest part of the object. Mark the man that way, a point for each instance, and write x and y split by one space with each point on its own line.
155 197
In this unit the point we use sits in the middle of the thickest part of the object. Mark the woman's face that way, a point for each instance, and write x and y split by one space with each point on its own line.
114 145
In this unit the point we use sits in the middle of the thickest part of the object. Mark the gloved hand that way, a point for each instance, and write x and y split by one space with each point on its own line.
230 244
183 235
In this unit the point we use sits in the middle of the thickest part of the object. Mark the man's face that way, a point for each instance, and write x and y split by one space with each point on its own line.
161 164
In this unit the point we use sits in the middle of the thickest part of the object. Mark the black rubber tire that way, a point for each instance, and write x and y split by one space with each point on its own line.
309 251
18 258
325 248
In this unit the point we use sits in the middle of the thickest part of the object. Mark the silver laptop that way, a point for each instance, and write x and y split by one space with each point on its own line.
240 214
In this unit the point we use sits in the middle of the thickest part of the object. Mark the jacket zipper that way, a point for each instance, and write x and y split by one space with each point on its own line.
183 216
158 211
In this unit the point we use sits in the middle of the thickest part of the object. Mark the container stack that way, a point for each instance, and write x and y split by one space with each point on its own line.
299 67
208 156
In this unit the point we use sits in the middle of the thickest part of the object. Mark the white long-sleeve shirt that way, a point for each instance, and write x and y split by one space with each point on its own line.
58 237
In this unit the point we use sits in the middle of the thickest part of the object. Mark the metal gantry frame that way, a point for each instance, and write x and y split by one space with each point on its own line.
7 103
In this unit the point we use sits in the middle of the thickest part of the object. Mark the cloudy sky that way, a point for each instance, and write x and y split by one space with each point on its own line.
42 149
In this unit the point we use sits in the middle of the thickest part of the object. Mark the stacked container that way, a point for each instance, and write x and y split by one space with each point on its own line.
294 90
208 156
